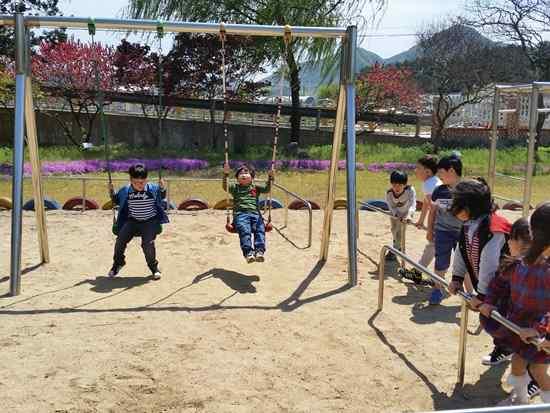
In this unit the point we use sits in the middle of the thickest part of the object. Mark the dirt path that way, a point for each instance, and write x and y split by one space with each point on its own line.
219 335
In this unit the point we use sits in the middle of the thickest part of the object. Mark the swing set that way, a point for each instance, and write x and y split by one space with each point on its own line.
25 122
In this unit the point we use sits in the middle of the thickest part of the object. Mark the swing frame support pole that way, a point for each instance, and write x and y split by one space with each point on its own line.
349 70
18 150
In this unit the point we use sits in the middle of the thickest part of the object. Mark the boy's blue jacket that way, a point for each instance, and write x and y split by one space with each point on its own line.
121 199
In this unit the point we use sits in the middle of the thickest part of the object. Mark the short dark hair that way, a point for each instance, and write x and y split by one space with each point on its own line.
520 231
245 166
138 171
399 177
473 196
540 222
452 161
429 162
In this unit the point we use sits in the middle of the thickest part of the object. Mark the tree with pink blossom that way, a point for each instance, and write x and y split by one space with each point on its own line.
74 72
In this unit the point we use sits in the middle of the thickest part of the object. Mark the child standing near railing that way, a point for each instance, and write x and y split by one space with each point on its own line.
527 282
443 227
401 200
425 171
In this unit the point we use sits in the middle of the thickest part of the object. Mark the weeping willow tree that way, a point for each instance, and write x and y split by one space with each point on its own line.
329 13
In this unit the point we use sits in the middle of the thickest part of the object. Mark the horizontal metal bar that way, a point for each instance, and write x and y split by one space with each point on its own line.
507 110
495 315
174 27
376 209
543 110
507 199
515 178
544 87
308 206
535 408
518 88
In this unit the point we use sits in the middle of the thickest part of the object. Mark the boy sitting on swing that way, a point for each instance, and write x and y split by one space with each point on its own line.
140 214
247 219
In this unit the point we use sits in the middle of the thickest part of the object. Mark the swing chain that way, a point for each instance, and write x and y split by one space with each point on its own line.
160 110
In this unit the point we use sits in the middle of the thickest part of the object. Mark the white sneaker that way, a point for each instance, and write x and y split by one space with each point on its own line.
260 256
250 257
156 275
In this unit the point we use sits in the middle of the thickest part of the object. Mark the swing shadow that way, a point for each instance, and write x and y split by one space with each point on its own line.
441 401
236 281
280 232
487 391
23 271
102 284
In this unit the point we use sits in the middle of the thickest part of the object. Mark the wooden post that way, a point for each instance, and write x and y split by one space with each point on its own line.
336 145
32 143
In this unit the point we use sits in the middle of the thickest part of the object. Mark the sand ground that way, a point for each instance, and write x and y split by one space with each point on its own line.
219 335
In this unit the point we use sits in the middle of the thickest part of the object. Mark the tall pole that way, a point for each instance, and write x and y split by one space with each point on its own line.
335 156
350 154
493 140
533 120
18 148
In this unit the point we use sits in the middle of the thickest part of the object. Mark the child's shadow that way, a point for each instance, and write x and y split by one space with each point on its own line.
103 284
236 281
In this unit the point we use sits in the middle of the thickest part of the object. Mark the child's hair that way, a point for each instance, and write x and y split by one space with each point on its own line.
245 166
451 161
399 177
540 222
520 231
429 162
138 171
473 196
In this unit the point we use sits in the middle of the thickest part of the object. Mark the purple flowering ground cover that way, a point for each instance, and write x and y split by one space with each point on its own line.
390 166
169 164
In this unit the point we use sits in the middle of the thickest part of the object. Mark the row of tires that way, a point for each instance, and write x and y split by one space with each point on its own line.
195 204
192 204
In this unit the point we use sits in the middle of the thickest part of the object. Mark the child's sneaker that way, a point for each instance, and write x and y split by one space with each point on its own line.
115 269
436 297
157 274
496 357
533 389
415 276
250 257
260 256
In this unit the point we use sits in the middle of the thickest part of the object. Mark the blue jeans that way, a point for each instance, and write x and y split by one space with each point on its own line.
246 224
445 242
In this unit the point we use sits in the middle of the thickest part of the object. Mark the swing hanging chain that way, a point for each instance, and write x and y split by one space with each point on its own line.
224 118
287 39
160 110
92 32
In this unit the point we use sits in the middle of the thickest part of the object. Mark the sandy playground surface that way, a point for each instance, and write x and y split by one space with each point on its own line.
219 335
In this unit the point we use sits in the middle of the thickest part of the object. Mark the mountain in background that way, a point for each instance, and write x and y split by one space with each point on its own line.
310 73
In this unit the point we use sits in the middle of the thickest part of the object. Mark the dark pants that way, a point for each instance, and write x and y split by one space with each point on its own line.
148 231
246 224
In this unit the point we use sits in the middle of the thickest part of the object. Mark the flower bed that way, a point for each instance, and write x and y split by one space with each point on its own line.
390 166
93 165
296 164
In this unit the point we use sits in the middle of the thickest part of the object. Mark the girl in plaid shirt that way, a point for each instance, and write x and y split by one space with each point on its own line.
527 282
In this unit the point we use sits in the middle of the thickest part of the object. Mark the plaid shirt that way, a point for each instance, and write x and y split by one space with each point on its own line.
528 289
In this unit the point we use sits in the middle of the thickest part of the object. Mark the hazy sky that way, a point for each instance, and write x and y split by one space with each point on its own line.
395 31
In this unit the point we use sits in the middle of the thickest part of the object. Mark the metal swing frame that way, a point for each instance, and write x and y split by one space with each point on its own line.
24 113
533 91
